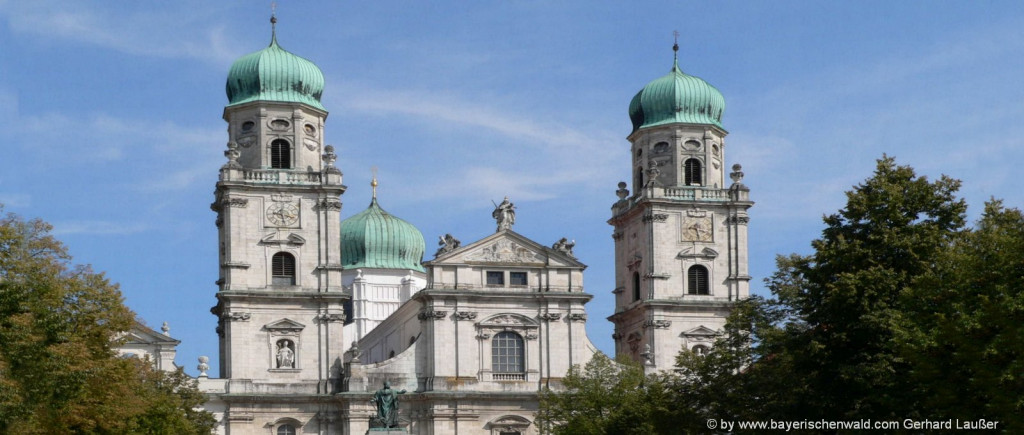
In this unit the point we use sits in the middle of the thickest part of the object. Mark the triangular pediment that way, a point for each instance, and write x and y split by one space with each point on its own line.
700 331
284 325
506 248
142 334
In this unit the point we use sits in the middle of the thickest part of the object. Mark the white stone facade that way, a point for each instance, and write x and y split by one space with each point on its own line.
674 225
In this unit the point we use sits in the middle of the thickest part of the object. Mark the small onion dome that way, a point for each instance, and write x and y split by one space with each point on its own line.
374 238
676 97
274 74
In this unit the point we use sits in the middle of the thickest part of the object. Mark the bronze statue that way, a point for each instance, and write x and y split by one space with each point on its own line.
386 400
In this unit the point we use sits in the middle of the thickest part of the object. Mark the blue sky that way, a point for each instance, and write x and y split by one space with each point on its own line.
114 132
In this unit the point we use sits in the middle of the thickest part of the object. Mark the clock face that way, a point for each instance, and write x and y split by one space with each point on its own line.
697 229
283 214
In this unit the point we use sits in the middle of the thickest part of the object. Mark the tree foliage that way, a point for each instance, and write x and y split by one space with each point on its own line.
58 370
900 312
606 397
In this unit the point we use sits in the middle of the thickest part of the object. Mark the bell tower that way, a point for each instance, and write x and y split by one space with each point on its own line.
278 209
681 236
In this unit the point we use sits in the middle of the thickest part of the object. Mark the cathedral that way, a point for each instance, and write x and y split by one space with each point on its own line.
317 314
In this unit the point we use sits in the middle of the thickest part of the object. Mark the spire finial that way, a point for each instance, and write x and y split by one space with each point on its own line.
273 21
675 49
374 183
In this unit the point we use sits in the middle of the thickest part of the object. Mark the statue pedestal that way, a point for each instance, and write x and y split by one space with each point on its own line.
387 431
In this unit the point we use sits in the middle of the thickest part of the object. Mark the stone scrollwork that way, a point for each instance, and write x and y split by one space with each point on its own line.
616 336
578 317
328 204
432 315
465 315
657 324
331 317
483 336
739 220
550 317
237 316
655 217
530 336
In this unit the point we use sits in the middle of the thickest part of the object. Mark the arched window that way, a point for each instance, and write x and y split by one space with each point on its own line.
280 154
692 173
697 280
286 429
282 269
638 182
507 353
636 286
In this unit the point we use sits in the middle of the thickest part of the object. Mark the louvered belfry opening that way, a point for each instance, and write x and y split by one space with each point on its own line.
280 154
636 286
697 280
692 172
283 269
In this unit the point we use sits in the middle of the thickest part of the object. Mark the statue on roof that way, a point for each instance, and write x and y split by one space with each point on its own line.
565 246
448 243
505 214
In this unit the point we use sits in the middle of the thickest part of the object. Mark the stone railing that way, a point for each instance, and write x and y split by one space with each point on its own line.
277 176
696 194
508 376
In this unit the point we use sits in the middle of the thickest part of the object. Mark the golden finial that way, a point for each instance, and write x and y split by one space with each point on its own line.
373 183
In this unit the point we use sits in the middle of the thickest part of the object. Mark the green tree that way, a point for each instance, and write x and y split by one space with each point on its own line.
606 397
845 303
965 327
58 370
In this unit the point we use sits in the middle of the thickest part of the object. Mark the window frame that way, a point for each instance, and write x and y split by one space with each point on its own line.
500 364
693 173
694 285
522 274
283 278
500 274
280 154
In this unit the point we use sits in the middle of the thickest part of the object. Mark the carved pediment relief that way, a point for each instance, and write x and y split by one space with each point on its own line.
508 320
284 325
504 251
706 253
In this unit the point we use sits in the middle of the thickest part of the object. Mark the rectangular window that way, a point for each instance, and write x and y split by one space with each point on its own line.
517 278
495 278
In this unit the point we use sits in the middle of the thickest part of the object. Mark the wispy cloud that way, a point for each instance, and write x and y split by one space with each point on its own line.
157 33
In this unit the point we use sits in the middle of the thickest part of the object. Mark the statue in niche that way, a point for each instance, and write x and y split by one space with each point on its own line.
652 174
448 243
505 214
565 246
386 400
285 354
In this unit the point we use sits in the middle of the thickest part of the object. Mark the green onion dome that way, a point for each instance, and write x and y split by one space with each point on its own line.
676 97
274 74
373 238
